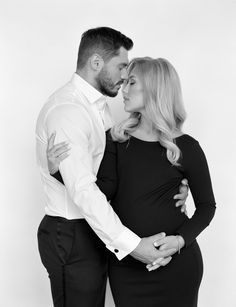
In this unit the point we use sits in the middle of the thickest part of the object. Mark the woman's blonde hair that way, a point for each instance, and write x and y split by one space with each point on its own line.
163 104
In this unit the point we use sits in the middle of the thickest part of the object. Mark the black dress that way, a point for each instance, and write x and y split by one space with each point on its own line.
141 183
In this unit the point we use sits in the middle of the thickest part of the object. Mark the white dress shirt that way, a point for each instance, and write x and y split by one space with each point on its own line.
79 114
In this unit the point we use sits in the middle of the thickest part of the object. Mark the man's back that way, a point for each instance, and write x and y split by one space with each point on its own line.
67 100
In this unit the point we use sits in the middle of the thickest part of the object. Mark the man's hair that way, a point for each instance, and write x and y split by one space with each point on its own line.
104 41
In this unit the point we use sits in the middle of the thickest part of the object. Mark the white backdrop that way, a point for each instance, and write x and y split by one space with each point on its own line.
39 41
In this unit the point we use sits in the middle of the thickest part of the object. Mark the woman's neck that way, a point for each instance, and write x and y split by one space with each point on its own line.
145 130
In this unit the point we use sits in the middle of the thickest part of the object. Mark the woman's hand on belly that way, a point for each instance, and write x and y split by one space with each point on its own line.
168 242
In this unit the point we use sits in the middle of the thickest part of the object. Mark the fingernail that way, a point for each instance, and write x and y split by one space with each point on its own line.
156 262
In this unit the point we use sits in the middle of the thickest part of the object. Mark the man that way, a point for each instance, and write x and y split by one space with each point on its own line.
78 217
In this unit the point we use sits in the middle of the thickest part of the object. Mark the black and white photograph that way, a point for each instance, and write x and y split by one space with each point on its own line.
118 155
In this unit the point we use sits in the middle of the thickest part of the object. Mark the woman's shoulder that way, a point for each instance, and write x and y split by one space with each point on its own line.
187 143
186 139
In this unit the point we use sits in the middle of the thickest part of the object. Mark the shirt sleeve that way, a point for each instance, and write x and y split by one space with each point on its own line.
195 169
107 173
73 124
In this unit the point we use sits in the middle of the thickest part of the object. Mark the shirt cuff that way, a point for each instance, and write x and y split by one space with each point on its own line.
124 244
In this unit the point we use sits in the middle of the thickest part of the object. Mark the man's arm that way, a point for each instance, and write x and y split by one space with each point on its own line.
73 124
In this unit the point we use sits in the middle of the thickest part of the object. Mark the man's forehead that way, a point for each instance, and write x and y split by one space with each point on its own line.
122 56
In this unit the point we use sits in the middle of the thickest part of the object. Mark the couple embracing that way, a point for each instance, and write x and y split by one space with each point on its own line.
115 194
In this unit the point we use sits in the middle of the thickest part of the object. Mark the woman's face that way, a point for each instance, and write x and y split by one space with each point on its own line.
133 93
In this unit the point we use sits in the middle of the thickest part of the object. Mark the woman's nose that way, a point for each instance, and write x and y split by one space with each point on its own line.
124 88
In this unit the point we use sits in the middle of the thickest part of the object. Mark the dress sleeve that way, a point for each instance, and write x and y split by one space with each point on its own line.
58 177
195 169
107 174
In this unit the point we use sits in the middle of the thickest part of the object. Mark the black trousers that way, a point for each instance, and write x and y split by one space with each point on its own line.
76 262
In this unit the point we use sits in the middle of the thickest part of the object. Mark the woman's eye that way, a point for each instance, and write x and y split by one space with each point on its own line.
132 82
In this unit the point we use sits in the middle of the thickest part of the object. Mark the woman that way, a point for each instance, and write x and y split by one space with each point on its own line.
145 160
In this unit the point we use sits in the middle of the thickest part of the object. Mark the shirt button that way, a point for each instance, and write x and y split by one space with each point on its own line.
116 251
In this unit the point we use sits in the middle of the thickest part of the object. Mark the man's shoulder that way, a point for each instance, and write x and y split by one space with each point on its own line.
66 99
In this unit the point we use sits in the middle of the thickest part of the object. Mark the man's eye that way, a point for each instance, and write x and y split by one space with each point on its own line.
131 82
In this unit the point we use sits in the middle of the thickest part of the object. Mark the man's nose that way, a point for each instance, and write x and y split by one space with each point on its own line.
124 74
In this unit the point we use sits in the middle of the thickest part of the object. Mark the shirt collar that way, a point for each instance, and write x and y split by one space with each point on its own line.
87 89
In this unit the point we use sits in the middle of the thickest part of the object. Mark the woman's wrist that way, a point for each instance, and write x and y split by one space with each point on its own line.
181 242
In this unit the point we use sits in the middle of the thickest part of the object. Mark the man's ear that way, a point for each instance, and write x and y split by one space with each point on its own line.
96 62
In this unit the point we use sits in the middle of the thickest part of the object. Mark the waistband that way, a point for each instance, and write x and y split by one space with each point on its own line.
63 219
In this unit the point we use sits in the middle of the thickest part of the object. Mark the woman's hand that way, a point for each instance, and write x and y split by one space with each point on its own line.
56 154
168 242
182 196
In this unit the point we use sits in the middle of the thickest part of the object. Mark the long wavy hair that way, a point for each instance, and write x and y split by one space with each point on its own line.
162 101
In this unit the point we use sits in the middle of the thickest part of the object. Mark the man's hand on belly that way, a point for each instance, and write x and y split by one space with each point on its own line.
146 251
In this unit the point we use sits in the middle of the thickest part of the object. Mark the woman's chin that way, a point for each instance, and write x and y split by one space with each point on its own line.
127 109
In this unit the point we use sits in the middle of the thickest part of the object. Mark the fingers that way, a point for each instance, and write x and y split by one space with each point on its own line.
183 189
181 203
159 242
167 252
157 237
58 146
159 262
57 150
63 157
51 140
184 181
156 263
181 196
166 261
153 267
184 209
61 150
163 247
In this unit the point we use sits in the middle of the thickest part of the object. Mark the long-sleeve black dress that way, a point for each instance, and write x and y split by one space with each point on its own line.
141 183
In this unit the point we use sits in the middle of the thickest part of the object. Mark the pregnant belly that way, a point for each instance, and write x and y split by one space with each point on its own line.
146 219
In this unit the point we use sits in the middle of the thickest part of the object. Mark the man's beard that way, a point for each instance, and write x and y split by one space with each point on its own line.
105 85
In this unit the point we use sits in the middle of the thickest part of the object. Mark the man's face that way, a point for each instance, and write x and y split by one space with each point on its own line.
113 73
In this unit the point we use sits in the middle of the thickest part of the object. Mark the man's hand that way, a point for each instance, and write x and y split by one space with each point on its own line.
182 196
147 253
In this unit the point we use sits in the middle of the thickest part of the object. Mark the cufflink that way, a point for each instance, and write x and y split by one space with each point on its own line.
116 250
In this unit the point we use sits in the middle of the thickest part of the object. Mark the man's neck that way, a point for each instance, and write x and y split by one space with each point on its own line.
88 77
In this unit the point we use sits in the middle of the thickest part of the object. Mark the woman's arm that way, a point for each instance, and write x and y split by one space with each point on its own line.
107 173
195 169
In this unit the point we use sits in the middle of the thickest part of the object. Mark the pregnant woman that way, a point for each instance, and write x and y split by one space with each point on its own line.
146 157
